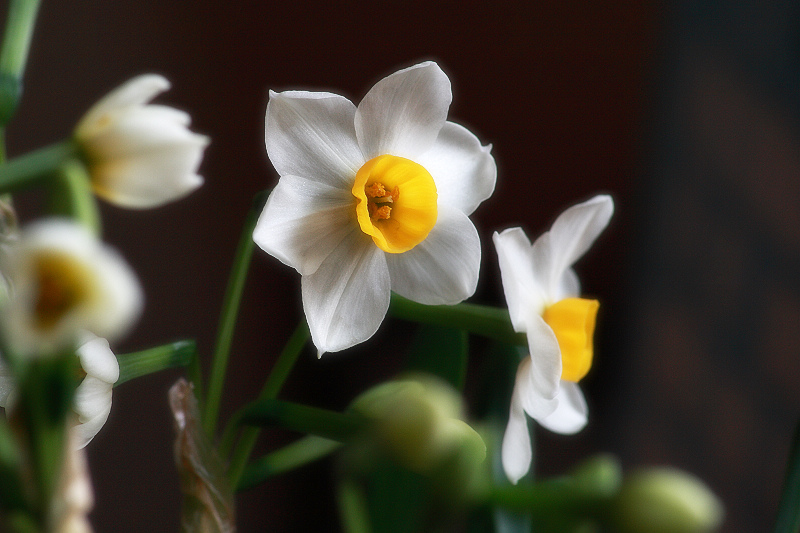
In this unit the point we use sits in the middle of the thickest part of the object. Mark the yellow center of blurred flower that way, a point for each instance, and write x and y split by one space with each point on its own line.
572 320
63 285
395 202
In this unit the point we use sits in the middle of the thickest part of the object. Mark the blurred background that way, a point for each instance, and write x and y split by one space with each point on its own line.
687 113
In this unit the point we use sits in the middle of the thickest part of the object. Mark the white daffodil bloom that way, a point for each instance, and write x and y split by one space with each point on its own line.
92 402
140 155
372 199
64 281
542 292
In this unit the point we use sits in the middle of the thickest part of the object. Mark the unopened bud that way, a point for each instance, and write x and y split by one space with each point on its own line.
667 500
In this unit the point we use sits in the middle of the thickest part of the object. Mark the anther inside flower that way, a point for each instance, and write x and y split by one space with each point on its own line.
396 202
572 321
63 285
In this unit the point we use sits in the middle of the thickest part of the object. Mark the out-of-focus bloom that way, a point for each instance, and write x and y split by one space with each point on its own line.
140 155
666 500
419 420
63 281
92 402
372 199
542 292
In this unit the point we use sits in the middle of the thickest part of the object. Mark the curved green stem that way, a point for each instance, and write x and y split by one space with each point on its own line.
491 322
550 497
299 453
227 320
353 509
136 364
20 21
271 388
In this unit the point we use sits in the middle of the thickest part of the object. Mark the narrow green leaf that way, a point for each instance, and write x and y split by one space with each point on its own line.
137 364
299 453
302 418
441 351
788 520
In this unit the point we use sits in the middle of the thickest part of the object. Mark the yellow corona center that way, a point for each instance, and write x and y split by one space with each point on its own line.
572 320
63 285
395 202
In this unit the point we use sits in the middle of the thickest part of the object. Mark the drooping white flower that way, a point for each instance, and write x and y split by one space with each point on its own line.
542 292
92 402
372 199
64 281
140 155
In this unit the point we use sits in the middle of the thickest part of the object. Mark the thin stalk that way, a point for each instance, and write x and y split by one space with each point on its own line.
275 380
491 322
136 364
353 507
14 54
227 322
30 169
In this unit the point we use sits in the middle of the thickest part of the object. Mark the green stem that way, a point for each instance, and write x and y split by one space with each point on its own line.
548 498
788 520
14 54
277 376
227 321
174 354
353 507
299 453
30 169
303 418
70 194
491 322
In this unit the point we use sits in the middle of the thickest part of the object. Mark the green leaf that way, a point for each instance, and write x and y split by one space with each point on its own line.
137 364
299 453
788 520
441 351
303 418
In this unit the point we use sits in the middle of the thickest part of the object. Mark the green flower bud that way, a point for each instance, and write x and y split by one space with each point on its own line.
417 422
666 500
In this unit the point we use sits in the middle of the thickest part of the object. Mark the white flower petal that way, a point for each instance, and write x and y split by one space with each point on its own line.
464 171
572 234
442 269
516 452
539 390
92 397
90 427
404 112
346 299
572 412
303 221
98 360
311 134
135 92
149 179
522 291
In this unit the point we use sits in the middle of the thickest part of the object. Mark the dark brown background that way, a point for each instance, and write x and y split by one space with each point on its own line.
697 360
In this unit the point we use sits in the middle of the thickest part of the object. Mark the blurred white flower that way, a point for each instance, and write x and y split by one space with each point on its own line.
140 155
542 291
372 199
64 281
92 402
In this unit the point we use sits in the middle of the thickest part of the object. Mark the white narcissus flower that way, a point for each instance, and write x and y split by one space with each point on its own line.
374 199
64 281
542 292
140 155
92 402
